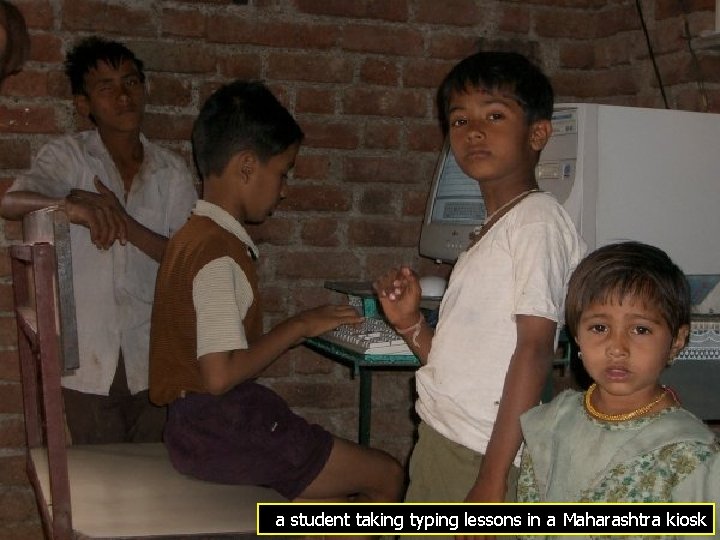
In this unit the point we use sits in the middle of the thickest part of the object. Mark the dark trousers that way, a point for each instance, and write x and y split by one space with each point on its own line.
116 418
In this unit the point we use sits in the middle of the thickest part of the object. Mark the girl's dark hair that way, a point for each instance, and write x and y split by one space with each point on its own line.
496 70
86 55
616 271
242 115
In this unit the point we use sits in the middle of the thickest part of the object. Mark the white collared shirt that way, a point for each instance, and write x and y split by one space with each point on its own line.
114 288
222 293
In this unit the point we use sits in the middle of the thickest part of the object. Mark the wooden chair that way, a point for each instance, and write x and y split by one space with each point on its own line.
103 491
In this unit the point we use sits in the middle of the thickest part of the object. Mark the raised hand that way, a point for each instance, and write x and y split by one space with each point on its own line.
399 293
100 212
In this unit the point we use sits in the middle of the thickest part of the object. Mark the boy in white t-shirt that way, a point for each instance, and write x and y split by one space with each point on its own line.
489 357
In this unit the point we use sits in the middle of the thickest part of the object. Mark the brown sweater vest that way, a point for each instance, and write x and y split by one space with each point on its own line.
174 367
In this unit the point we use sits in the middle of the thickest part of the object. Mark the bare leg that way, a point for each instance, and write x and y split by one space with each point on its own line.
372 475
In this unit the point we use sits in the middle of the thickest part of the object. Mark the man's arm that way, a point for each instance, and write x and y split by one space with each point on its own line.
525 379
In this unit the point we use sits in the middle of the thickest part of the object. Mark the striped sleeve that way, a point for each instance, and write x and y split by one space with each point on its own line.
222 296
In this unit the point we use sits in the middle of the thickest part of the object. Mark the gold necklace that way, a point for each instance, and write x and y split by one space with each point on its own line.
619 417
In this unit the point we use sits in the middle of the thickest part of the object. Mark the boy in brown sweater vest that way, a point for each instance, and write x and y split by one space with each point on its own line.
207 343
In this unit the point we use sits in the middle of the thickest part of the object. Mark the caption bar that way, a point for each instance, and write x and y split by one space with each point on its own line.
490 519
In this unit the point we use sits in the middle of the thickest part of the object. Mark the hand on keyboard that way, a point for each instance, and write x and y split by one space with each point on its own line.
324 318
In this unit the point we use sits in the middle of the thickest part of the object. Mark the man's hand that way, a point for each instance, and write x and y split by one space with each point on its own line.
100 212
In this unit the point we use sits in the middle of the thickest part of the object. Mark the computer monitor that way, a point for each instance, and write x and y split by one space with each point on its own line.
454 209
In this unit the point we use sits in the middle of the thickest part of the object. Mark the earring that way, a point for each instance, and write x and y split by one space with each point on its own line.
579 355
671 361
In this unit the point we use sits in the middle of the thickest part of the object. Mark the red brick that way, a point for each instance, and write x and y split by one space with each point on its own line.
8 330
617 19
46 48
15 154
577 55
166 90
275 300
673 8
414 203
38 13
315 166
26 84
58 85
397 10
11 398
17 505
394 103
243 30
240 66
330 134
318 198
276 231
514 19
9 366
311 296
28 120
4 259
306 67
379 71
175 57
320 232
567 23
308 362
424 137
12 432
168 126
451 46
318 265
378 202
13 471
382 135
101 17
382 169
376 233
426 73
455 12
315 100
13 230
184 23
380 261
24 530
382 39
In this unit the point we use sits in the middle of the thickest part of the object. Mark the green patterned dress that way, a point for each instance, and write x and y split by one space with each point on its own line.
570 457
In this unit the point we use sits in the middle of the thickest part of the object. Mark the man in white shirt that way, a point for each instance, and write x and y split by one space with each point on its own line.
124 196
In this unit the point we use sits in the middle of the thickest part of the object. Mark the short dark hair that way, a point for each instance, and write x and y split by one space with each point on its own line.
17 45
241 115
498 70
616 271
88 53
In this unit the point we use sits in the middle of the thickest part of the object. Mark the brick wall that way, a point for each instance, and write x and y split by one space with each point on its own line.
360 77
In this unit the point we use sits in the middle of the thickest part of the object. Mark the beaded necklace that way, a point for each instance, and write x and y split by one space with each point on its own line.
592 411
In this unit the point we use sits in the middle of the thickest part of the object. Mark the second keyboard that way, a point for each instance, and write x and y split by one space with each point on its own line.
372 336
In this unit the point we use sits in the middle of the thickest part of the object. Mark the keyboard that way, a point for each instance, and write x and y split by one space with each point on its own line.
372 336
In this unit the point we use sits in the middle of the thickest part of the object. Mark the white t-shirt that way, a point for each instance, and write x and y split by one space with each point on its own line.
114 288
222 293
520 267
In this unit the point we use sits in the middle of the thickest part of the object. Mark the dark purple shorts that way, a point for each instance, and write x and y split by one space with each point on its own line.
247 436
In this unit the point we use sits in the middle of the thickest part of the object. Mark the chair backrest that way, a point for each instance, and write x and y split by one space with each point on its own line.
40 348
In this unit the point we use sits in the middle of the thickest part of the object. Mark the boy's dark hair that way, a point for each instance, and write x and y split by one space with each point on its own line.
242 115
17 42
88 53
616 271
497 70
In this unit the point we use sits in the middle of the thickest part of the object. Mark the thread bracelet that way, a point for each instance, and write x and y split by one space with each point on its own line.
415 329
